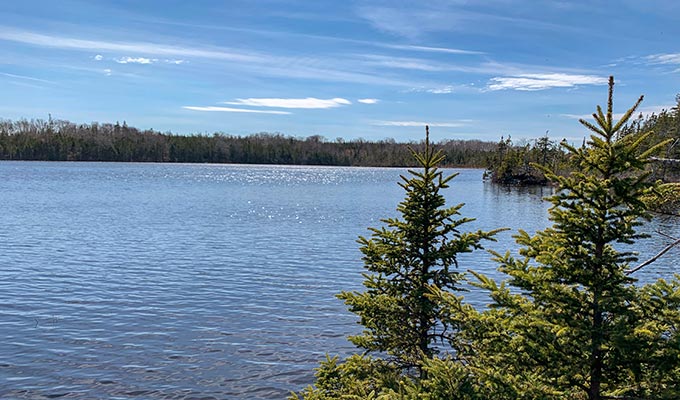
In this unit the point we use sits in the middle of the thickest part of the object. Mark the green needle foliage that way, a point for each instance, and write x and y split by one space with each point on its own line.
576 326
570 323
406 259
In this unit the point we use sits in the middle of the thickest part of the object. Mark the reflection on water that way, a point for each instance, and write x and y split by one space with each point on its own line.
163 281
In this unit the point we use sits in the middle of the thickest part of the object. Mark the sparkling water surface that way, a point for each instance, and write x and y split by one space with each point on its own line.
185 281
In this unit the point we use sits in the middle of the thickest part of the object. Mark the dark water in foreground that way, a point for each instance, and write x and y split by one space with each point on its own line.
158 281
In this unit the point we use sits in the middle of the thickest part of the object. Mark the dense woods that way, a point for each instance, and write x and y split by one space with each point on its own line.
569 322
522 163
58 140
516 164
508 162
665 126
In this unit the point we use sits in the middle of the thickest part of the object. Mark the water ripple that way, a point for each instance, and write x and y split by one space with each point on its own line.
157 281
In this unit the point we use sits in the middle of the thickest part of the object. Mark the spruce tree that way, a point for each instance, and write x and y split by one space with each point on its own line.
573 323
570 323
404 260
407 260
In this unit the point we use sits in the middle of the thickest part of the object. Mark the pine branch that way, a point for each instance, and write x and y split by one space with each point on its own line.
610 103
624 119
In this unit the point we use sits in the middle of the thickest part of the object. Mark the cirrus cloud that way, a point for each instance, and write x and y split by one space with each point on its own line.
159 49
668 58
308 103
135 60
368 101
431 49
440 90
418 123
446 89
235 110
646 112
533 82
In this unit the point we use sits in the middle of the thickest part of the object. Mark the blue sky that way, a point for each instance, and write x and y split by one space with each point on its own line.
350 69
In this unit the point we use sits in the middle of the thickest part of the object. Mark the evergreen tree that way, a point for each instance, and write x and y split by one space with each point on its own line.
406 259
578 327
571 322
520 164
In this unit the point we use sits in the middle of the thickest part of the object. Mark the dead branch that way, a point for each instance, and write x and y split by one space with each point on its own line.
665 160
667 236
656 257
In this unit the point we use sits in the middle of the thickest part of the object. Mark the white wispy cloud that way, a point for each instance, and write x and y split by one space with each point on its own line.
405 63
141 60
38 39
446 89
416 20
135 60
309 102
368 101
441 90
427 65
667 58
325 69
533 82
431 49
24 77
418 123
391 21
234 110
645 111
107 72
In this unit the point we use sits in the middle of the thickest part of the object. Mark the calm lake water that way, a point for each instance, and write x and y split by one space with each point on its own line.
159 281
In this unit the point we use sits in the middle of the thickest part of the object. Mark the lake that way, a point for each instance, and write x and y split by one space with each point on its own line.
174 281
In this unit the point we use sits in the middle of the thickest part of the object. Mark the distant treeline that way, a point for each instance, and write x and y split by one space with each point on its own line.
665 126
514 163
58 140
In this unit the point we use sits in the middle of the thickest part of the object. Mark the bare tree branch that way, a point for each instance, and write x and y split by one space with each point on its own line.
666 235
656 257
665 160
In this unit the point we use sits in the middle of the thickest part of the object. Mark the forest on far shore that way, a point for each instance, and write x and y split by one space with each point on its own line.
60 140
507 162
